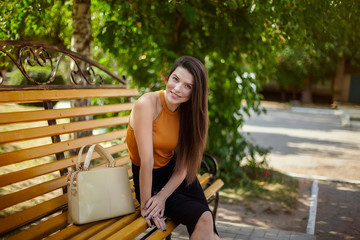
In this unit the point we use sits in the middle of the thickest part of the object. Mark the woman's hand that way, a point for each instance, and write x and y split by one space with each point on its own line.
154 210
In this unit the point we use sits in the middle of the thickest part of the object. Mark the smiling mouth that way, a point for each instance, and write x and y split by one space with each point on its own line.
176 95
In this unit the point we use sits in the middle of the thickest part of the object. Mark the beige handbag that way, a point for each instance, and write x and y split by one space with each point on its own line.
100 193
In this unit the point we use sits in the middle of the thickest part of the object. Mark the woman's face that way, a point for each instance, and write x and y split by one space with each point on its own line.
179 88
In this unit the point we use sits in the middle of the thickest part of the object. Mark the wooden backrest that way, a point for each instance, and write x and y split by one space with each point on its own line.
36 145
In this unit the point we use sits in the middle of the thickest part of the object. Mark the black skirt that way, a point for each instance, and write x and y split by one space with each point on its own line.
185 205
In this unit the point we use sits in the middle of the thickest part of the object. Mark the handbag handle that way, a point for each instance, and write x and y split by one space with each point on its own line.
100 150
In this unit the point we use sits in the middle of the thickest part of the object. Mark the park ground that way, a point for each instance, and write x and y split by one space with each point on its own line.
310 143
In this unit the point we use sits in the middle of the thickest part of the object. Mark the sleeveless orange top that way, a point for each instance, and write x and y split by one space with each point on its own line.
165 136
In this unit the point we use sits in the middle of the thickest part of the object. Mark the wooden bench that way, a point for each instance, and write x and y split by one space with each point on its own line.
35 146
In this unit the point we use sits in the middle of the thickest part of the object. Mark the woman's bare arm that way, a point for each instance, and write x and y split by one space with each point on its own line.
141 121
156 205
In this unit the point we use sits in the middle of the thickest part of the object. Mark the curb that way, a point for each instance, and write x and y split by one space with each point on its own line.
349 121
310 228
296 175
316 110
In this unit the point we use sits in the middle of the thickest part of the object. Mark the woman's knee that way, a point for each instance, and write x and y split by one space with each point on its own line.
206 219
204 227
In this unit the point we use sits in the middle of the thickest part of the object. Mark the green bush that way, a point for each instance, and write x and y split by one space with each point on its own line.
39 74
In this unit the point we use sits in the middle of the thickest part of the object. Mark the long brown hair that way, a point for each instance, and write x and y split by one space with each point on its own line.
193 119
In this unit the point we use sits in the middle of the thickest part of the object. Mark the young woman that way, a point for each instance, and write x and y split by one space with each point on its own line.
166 137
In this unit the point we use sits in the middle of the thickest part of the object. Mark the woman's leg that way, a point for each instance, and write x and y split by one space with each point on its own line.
204 228
188 206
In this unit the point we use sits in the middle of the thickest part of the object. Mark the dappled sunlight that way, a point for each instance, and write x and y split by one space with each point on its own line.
337 199
307 143
326 134
348 188
267 214
268 209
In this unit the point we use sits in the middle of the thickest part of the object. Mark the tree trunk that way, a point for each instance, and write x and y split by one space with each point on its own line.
338 82
179 25
81 36
306 94
80 43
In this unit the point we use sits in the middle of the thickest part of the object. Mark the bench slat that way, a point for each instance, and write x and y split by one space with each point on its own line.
72 230
213 188
131 231
97 231
56 95
42 115
13 221
113 228
158 234
83 231
42 169
46 187
37 152
42 229
204 179
53 130
11 199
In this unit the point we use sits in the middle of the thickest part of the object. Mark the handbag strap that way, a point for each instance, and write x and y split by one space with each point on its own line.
100 150
71 189
79 157
105 155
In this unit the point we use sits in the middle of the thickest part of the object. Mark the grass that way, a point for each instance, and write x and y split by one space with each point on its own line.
273 187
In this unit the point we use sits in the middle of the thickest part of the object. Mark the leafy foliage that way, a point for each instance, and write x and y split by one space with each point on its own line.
316 36
155 34
39 74
36 20
242 43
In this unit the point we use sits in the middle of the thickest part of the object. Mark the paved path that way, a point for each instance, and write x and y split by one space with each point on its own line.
315 142
236 231
308 141
338 211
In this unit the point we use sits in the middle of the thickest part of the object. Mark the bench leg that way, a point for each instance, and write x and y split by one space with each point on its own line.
216 204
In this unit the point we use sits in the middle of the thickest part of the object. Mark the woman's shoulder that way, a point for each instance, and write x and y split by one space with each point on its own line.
149 102
149 99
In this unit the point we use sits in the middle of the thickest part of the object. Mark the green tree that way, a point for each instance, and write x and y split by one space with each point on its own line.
242 43
145 38
36 20
149 36
318 35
